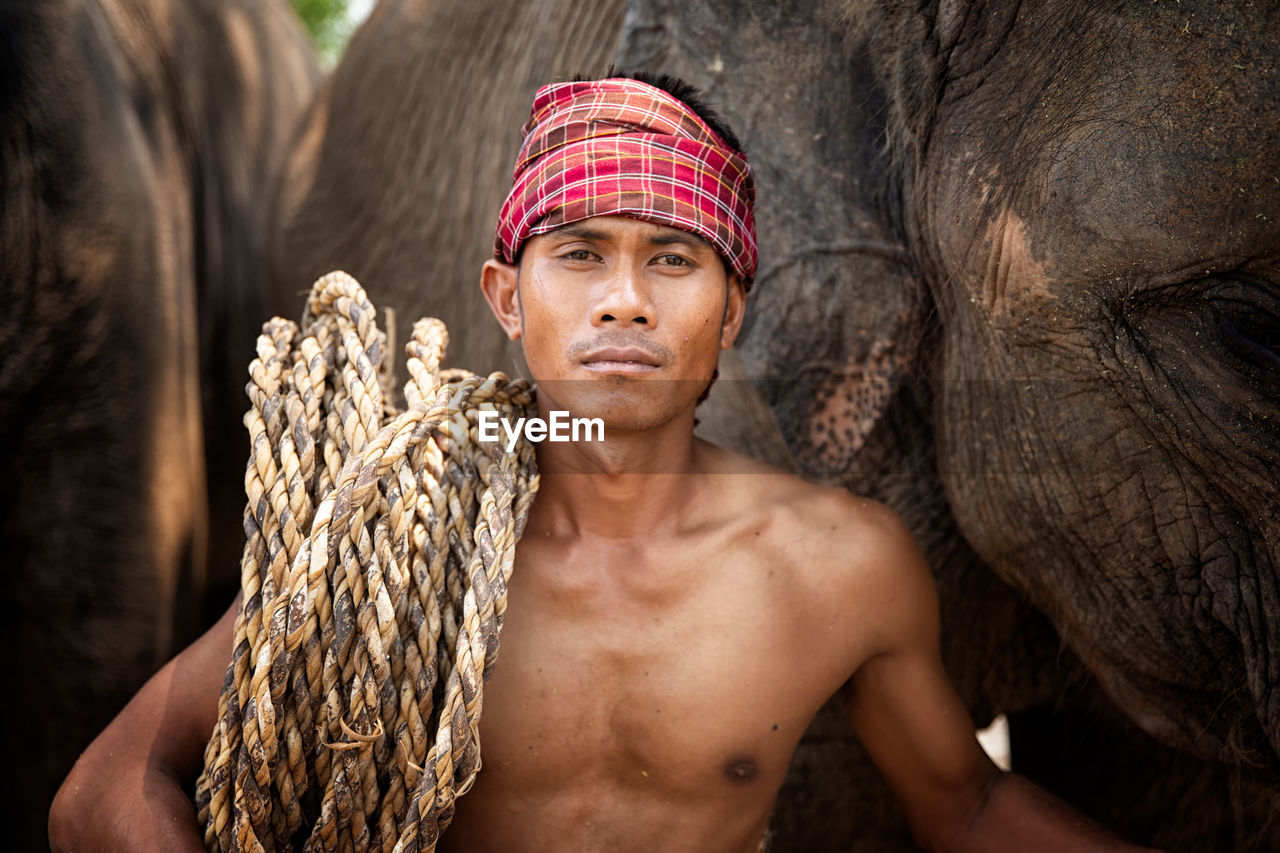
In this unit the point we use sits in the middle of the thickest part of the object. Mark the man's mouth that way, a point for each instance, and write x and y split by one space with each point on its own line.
621 360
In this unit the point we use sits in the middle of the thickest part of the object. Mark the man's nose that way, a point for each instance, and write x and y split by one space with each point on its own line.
625 301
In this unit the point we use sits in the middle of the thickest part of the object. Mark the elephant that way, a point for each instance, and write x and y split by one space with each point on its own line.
137 143
1018 281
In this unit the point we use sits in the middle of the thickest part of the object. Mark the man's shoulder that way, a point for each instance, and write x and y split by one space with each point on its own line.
851 570
832 534
849 539
854 560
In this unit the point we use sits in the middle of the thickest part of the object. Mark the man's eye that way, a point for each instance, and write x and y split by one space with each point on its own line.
674 260
577 255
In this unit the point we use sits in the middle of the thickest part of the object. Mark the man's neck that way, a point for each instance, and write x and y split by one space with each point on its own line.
633 484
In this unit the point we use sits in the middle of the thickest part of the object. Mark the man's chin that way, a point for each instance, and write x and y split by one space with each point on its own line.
621 403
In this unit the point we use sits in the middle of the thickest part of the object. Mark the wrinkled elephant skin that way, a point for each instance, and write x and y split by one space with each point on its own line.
1118 296
136 140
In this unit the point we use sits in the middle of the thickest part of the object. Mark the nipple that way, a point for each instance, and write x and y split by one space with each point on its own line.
741 769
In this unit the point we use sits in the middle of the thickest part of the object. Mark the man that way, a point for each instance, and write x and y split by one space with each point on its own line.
678 612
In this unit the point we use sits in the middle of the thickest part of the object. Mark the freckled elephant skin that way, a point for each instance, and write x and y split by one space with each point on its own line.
136 139
1018 280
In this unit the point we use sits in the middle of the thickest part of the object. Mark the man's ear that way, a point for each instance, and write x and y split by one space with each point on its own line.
498 281
734 309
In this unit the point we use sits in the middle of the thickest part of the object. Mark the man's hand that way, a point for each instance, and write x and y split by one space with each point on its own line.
920 735
128 791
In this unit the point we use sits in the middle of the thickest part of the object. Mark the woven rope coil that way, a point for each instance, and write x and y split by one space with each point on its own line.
379 546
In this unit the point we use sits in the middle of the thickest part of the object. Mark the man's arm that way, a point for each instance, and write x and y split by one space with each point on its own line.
128 790
920 735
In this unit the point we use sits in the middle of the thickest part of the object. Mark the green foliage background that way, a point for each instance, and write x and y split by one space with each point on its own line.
326 20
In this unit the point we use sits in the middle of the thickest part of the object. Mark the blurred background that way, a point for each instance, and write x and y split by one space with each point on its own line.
331 23
172 172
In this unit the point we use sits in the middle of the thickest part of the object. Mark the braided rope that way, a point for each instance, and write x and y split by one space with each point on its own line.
379 546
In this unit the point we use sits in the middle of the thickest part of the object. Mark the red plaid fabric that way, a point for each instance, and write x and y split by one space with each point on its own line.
623 147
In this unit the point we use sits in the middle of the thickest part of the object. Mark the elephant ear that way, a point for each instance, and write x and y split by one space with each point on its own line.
836 317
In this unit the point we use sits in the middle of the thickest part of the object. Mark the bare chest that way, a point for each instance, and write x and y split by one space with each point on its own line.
694 691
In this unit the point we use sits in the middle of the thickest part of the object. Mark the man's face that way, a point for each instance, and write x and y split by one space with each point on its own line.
621 319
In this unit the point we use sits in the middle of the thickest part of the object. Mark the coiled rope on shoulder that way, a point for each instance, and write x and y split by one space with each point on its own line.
373 582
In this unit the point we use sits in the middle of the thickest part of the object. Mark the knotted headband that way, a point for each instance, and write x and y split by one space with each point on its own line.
623 147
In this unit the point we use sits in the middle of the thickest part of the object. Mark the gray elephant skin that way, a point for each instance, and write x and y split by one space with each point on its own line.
137 139
1019 279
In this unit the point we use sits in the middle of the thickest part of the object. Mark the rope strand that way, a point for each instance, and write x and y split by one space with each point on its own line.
378 546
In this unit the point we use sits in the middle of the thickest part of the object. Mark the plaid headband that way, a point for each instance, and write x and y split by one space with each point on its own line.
623 147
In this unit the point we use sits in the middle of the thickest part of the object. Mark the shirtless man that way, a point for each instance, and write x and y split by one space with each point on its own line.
678 612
